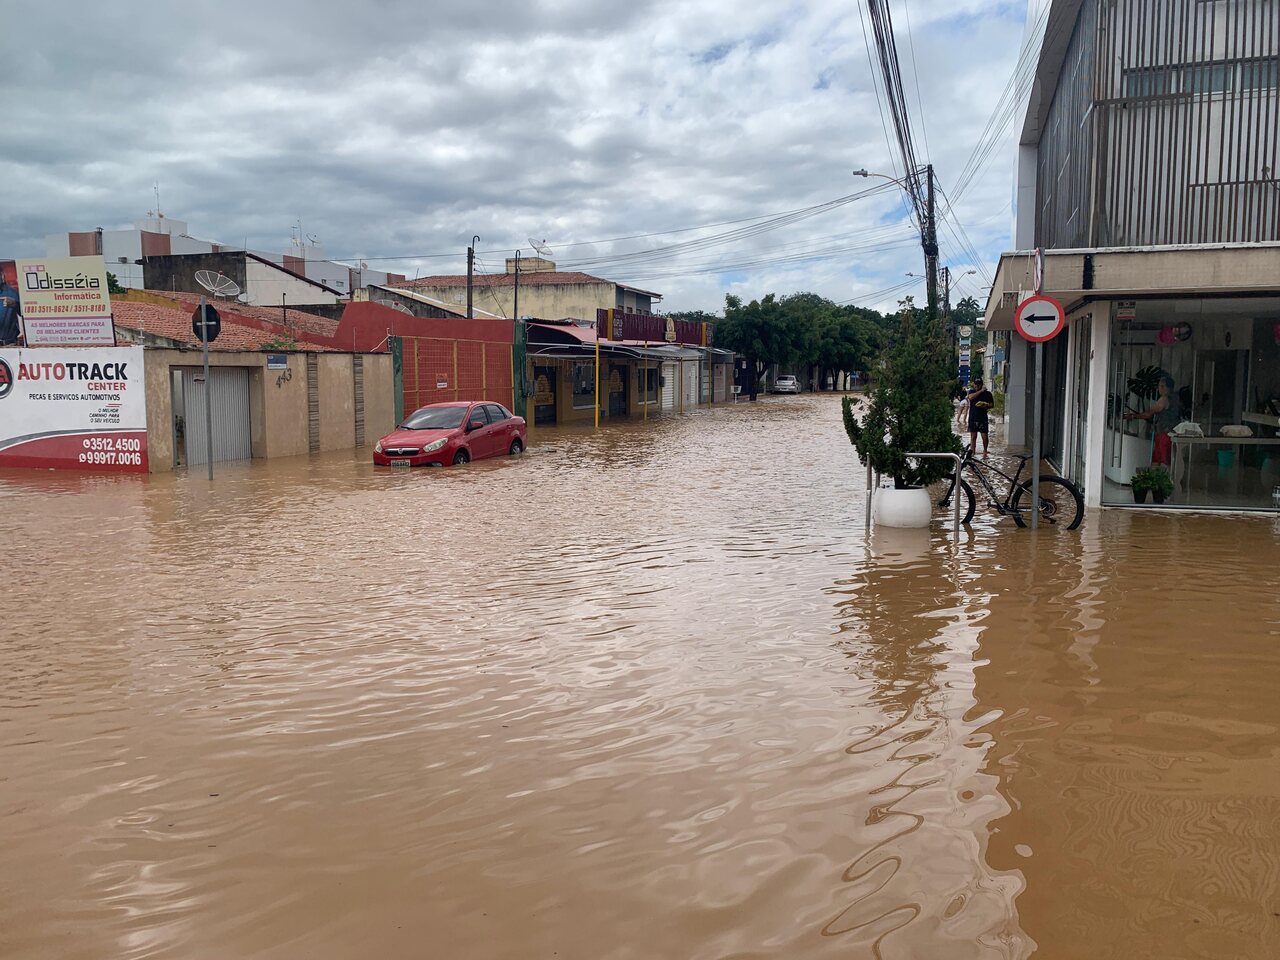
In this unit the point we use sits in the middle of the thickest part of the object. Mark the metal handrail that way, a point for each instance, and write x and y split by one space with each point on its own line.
955 493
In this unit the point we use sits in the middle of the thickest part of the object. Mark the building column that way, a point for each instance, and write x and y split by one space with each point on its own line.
1097 400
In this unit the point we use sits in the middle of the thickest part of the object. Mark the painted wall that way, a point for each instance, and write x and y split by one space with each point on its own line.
544 302
278 417
265 284
337 402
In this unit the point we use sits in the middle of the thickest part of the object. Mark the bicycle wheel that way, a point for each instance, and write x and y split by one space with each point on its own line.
1061 506
967 503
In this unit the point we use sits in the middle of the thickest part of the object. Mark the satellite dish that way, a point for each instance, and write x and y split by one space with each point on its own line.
217 284
393 304
541 247
243 298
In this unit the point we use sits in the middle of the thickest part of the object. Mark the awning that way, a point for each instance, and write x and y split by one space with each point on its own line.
587 352
1077 277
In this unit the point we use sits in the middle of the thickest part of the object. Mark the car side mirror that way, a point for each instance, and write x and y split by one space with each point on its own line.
474 425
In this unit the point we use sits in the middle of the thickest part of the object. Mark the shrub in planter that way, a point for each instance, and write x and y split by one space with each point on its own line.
1161 484
910 408
1154 481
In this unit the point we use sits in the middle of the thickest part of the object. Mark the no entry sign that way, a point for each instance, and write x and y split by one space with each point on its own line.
1039 318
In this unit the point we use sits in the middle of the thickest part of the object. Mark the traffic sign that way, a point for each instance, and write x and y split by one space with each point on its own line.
966 331
208 329
1039 318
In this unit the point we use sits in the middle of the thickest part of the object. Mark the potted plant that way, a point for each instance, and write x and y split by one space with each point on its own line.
1140 484
910 411
1161 484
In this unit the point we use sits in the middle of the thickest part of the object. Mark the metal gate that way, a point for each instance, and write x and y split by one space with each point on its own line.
669 373
229 390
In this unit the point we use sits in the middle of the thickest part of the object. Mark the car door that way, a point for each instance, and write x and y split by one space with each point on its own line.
503 428
480 440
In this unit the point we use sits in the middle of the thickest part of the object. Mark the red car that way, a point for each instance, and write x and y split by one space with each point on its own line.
451 433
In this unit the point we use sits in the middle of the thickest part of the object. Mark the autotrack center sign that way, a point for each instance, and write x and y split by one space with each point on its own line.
64 302
73 409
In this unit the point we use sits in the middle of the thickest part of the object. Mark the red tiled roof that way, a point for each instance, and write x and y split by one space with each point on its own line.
299 320
175 324
534 278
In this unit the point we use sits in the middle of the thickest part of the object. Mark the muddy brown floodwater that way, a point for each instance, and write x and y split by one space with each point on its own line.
646 694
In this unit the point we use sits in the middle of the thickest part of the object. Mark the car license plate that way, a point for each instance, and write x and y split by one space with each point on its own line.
400 463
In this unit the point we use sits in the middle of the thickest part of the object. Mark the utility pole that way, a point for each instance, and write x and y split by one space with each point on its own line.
515 309
929 240
946 302
471 267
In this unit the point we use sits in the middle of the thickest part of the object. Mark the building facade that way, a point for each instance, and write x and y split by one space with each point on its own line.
545 293
1147 201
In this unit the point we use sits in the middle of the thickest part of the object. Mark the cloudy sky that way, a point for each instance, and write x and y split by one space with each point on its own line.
395 131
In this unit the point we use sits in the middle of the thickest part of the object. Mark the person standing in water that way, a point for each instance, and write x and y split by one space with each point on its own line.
980 402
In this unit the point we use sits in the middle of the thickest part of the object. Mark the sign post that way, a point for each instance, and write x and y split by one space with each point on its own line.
1038 319
206 325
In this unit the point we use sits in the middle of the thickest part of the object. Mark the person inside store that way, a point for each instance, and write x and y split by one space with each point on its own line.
980 401
1163 415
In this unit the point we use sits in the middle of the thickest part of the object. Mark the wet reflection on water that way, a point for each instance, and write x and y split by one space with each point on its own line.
640 694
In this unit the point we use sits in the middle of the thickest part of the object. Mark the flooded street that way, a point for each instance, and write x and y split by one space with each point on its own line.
641 694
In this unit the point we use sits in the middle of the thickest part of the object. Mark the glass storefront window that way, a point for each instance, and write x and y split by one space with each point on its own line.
584 386
1194 386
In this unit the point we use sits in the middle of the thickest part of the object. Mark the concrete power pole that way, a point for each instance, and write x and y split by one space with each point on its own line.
471 266
929 240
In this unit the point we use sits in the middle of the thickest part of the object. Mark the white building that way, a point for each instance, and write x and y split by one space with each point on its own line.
156 235
1147 176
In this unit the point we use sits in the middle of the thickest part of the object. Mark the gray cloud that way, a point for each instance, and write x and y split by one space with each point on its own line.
394 129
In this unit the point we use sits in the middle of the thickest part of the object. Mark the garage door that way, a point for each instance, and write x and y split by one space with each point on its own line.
229 404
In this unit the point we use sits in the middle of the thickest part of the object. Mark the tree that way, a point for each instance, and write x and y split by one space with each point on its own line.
967 313
757 331
910 404
695 316
113 285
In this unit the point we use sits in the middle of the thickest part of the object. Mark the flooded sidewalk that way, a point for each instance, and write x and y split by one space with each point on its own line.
646 693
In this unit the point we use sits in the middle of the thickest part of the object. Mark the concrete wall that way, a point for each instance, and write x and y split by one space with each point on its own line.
544 302
278 417
337 402
265 284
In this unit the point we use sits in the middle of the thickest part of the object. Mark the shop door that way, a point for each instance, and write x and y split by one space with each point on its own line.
228 399
617 390
544 395
668 386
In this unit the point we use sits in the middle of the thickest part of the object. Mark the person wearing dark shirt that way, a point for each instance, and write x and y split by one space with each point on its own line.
980 402
10 311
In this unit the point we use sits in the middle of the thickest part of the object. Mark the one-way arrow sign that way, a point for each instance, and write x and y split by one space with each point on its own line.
1039 318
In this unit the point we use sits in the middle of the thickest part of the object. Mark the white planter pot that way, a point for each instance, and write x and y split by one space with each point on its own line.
903 508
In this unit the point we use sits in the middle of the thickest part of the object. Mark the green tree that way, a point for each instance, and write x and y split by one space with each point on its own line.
757 331
910 404
113 285
696 316
967 313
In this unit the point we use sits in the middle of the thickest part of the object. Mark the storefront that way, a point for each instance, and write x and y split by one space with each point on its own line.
1170 358
1194 385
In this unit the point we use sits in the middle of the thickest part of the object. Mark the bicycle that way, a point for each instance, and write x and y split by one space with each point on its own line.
1061 504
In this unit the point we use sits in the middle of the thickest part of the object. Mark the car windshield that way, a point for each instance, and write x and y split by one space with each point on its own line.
434 418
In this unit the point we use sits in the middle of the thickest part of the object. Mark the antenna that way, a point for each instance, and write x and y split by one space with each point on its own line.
393 304
217 284
541 247
157 188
